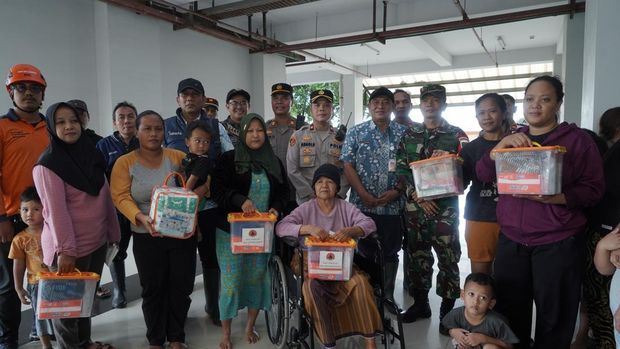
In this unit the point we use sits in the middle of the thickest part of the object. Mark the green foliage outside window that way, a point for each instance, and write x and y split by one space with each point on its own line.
301 100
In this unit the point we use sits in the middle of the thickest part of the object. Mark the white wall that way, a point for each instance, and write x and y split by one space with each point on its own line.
103 54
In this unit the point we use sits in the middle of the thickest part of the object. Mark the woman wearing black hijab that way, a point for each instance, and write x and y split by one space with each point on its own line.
79 216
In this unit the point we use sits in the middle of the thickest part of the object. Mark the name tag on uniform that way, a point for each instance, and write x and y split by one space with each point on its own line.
392 165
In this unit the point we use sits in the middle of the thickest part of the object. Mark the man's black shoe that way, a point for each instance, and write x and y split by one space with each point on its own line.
417 311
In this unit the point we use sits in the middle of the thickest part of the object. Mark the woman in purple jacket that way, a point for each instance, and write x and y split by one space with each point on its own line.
541 248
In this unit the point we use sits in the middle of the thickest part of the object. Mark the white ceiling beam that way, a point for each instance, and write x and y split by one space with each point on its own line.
433 50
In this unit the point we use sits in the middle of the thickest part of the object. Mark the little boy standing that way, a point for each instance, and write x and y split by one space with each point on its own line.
476 325
28 258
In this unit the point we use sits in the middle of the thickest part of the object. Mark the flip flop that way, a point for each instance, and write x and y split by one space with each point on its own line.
103 292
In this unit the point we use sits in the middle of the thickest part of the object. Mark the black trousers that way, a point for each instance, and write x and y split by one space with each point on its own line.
125 226
549 275
10 305
206 247
390 231
166 268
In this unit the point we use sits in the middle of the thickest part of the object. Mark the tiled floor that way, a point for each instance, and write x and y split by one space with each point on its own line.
126 330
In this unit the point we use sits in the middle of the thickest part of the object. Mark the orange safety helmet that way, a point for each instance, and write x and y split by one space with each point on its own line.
24 72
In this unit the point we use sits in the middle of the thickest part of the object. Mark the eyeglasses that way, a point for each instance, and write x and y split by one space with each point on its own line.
21 88
203 141
380 101
236 104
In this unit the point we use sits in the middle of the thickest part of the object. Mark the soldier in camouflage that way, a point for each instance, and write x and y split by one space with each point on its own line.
431 223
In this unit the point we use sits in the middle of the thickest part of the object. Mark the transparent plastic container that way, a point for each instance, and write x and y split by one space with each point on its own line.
330 260
438 177
174 209
530 171
251 233
67 295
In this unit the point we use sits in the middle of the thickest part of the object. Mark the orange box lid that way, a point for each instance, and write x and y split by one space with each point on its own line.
252 217
50 275
436 158
312 241
557 148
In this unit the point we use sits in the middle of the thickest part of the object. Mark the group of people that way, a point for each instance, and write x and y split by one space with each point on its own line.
69 194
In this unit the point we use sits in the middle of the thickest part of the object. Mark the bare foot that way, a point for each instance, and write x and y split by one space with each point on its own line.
225 342
252 335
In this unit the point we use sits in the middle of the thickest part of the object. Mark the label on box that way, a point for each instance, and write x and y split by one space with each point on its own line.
519 183
253 237
330 260
59 309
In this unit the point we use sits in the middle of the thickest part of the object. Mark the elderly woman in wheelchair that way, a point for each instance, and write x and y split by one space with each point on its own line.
337 308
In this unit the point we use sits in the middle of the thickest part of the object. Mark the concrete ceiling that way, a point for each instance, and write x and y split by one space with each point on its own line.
526 41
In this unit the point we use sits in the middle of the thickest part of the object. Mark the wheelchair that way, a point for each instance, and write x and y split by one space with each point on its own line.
284 331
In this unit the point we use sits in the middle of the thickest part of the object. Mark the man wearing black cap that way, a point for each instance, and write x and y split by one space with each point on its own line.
312 146
81 107
238 104
369 156
211 107
281 127
431 223
190 98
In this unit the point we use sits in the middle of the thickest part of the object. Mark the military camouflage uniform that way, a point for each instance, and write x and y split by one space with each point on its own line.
441 231
308 149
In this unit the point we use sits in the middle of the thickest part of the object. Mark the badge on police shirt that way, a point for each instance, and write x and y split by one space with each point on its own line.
392 165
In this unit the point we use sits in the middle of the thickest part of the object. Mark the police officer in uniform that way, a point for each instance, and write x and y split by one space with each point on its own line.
281 128
211 107
314 145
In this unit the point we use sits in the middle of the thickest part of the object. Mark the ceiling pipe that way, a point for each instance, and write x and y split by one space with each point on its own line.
434 28
374 17
461 81
330 61
233 37
478 36
384 16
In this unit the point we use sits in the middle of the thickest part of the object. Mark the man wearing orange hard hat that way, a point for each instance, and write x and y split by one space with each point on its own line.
23 137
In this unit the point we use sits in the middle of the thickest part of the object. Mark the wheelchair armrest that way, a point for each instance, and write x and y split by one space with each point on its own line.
292 241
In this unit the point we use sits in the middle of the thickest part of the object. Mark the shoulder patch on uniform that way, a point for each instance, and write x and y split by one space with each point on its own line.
292 142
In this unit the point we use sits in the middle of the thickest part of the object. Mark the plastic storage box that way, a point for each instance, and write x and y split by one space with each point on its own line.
330 260
535 170
173 210
67 295
251 233
438 177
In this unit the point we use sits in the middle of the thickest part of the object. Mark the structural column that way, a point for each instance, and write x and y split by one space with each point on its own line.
267 69
572 67
351 95
601 55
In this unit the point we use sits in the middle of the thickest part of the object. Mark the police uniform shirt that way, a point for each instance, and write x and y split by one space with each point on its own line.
308 149
279 136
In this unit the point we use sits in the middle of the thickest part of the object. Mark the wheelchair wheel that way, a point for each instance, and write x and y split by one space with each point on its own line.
277 317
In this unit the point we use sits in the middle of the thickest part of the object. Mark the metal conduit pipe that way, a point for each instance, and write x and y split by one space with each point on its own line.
434 28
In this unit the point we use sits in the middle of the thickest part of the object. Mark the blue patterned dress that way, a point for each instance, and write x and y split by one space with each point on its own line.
244 280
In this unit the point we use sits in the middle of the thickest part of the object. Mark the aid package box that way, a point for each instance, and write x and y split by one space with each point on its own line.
529 171
251 233
438 177
66 295
173 210
330 259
